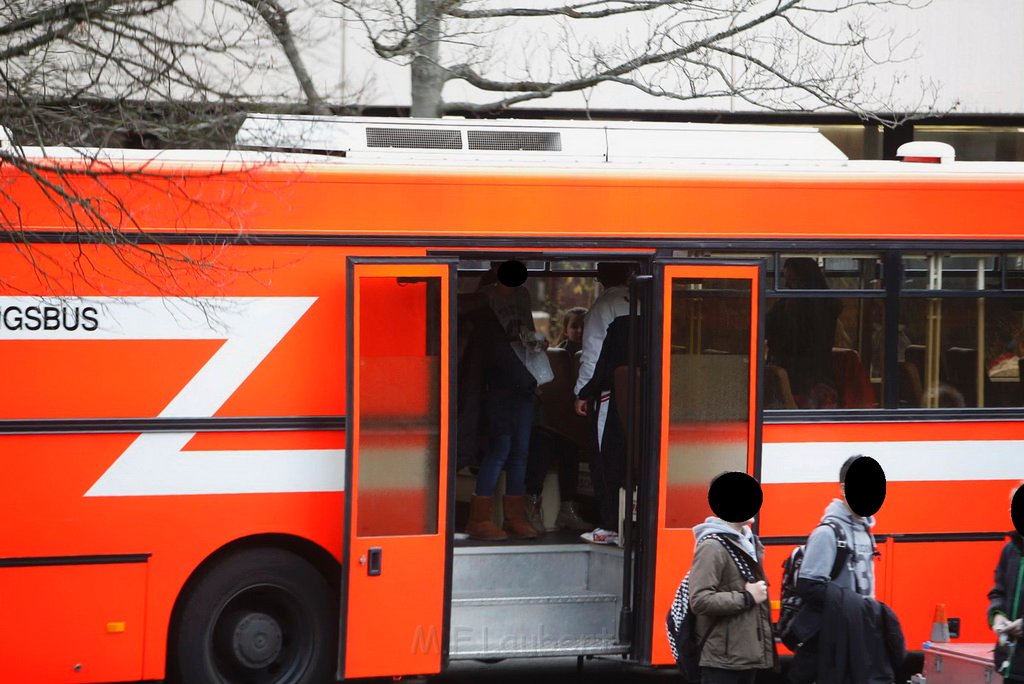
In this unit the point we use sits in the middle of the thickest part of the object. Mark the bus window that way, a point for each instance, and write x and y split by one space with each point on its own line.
400 430
825 350
965 337
1014 271
709 391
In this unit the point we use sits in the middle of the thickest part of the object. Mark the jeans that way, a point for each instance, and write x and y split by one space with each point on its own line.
509 416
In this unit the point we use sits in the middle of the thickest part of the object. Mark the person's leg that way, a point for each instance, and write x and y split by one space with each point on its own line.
521 409
543 447
495 457
612 459
568 480
538 460
515 470
480 525
568 456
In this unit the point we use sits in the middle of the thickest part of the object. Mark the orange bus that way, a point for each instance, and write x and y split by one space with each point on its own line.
232 393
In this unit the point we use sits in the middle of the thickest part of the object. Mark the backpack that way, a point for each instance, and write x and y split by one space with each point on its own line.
791 603
681 623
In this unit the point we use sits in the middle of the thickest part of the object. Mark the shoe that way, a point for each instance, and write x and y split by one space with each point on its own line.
515 518
601 536
534 507
480 525
569 518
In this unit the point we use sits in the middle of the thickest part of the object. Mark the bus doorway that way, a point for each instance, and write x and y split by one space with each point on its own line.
569 590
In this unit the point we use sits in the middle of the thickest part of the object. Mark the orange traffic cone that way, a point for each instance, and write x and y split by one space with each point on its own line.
940 628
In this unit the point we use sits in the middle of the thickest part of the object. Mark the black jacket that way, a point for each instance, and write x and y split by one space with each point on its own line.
860 642
1003 592
487 364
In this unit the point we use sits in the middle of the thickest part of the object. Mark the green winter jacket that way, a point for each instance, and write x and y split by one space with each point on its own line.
741 631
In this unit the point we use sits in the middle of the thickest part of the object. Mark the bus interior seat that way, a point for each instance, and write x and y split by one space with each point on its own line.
915 354
961 372
910 391
1020 381
852 382
777 392
912 376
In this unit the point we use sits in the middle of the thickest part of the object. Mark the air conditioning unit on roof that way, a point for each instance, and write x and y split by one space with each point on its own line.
531 140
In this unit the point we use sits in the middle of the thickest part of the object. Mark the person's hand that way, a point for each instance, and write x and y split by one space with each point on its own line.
759 590
999 623
581 407
1014 629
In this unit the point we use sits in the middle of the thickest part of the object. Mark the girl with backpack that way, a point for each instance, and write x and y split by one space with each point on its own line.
729 597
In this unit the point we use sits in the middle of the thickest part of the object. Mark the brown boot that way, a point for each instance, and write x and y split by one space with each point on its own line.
515 519
480 525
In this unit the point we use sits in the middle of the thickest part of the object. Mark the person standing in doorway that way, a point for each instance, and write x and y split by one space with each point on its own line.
613 303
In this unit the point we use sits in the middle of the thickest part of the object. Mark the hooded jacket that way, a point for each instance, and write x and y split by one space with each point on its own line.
858 573
738 631
1003 592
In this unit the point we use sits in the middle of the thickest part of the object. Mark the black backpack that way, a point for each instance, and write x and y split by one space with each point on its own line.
791 603
681 623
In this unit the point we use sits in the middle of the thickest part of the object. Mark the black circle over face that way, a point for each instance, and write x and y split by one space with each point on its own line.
1017 510
735 497
512 273
865 486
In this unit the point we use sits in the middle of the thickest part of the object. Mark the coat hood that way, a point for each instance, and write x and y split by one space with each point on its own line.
838 509
713 525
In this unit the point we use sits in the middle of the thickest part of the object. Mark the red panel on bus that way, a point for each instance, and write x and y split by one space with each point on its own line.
70 623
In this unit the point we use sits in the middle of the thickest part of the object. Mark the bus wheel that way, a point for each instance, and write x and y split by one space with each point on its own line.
261 616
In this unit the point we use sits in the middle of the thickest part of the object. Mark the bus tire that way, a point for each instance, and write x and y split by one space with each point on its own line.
261 615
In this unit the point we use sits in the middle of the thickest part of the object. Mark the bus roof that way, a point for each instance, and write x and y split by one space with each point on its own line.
532 148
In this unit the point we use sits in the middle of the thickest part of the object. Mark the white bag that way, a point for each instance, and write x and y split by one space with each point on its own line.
536 361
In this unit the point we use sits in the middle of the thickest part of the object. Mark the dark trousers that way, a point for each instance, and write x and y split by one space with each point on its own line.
717 675
547 445
608 469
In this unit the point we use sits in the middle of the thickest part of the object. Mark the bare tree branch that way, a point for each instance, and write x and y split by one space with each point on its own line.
793 55
105 73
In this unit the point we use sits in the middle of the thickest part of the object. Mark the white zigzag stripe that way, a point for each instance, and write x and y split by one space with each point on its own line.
154 463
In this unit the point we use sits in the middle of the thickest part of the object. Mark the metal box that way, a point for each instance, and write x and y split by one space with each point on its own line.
949 663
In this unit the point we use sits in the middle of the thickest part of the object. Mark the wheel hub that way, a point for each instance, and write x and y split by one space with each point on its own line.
257 640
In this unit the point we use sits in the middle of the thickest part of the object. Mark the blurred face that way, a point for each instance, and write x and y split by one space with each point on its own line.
574 330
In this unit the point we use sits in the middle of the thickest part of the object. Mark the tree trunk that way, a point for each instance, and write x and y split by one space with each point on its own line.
427 75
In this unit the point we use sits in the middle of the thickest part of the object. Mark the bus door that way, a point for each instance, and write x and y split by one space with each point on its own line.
396 564
705 389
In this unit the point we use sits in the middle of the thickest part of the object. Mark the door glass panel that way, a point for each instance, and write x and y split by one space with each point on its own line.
709 395
399 437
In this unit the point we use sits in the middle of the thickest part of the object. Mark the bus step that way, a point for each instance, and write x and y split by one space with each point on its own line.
536 570
500 625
